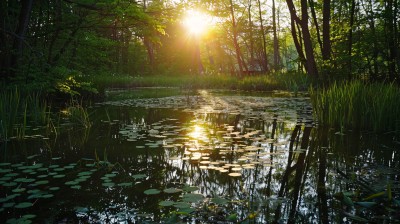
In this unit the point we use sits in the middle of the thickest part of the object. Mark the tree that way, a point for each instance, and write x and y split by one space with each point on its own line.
309 60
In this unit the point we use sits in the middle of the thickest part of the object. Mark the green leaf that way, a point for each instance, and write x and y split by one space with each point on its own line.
152 191
24 205
172 190
190 188
181 205
193 198
220 201
166 203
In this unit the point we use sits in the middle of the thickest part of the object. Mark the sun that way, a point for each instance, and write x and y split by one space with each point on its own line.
196 22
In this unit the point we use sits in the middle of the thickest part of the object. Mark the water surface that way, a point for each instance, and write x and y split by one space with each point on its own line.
164 155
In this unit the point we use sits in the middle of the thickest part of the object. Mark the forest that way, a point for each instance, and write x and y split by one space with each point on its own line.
199 111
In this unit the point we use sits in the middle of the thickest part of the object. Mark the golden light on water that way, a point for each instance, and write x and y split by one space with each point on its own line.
198 132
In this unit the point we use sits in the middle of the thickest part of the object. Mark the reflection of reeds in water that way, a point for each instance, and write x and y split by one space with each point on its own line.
357 105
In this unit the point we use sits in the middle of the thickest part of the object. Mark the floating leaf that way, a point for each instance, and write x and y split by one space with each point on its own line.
190 188
9 184
24 205
172 190
8 205
48 195
24 180
139 176
5 170
109 184
77 187
127 184
186 211
11 174
41 182
28 216
85 173
152 191
18 190
193 198
110 175
166 203
181 205
71 183
219 201
235 174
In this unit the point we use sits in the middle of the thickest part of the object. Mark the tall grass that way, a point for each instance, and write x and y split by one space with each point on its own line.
17 111
291 82
358 105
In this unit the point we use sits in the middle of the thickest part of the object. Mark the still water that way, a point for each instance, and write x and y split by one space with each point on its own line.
166 156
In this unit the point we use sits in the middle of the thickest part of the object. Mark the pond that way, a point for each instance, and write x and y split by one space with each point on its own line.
169 156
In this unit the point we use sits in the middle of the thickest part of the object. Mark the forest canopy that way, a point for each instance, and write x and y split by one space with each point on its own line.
54 43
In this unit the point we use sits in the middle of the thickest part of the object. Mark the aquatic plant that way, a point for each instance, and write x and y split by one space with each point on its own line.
78 114
19 111
209 81
358 105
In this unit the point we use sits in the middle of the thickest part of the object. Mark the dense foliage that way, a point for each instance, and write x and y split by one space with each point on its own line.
60 44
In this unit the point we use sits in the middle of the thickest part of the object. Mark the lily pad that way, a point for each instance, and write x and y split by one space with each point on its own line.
219 201
126 184
109 184
152 191
54 188
172 190
193 198
41 182
24 205
9 184
8 205
181 205
71 183
190 188
139 176
18 190
166 203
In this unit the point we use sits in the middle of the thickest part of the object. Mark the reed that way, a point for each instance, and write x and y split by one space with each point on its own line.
18 111
290 82
358 105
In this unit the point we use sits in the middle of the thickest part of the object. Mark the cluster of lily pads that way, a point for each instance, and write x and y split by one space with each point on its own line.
26 184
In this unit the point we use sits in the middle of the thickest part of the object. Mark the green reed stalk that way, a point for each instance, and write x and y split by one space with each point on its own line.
358 105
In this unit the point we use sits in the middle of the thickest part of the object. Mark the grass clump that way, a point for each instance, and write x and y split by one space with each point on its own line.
292 82
358 105
18 111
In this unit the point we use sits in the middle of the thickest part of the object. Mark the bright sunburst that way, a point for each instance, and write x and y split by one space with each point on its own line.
196 22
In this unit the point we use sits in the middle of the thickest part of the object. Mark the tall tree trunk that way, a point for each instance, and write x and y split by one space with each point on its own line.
251 64
314 15
311 64
350 38
326 18
276 41
264 50
4 47
22 27
390 23
235 41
